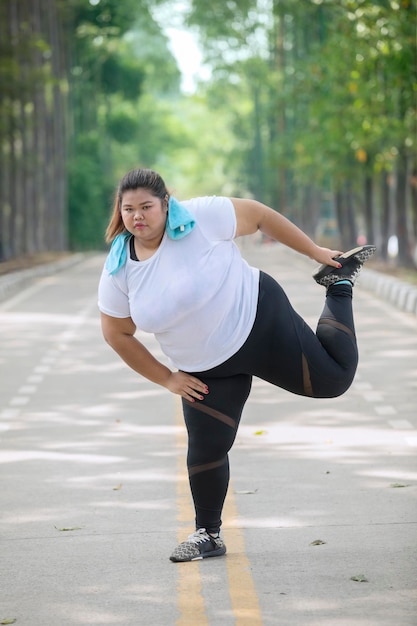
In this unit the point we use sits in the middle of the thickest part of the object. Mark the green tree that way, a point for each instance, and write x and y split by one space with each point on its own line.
111 74
333 115
32 145
361 110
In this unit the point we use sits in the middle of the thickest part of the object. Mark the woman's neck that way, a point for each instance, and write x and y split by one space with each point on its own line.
145 249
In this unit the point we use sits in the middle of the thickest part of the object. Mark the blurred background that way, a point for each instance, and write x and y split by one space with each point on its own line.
306 105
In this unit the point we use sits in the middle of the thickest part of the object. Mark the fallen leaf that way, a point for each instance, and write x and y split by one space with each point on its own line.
118 487
10 620
317 542
260 432
64 530
360 578
398 485
246 491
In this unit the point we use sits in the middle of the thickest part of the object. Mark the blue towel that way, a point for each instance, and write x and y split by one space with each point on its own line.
117 256
180 222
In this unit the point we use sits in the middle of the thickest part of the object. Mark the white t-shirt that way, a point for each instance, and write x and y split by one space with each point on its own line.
197 295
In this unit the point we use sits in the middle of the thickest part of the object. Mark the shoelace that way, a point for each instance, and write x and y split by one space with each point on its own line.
199 536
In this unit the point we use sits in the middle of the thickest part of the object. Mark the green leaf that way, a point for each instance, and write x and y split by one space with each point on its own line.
9 620
317 542
398 485
359 578
65 529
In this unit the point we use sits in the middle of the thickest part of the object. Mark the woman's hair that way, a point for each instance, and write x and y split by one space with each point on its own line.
135 179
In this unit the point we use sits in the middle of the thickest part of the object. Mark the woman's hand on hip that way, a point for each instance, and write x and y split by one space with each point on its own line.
188 387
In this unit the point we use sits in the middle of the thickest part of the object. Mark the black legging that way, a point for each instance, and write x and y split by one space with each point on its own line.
281 349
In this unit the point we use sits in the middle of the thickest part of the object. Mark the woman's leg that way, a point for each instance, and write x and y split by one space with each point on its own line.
336 333
212 425
284 350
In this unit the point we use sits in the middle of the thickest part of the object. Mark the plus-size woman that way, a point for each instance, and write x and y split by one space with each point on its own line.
175 271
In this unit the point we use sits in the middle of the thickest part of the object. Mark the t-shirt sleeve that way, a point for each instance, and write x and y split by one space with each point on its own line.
215 216
112 297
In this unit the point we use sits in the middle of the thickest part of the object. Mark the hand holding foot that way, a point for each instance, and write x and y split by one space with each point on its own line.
348 268
326 256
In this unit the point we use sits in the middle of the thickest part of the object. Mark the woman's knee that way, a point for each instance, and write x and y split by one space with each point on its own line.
333 387
209 449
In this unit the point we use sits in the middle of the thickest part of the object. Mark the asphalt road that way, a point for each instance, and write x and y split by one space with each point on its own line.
94 493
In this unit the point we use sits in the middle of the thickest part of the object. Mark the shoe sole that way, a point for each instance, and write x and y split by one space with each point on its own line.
360 254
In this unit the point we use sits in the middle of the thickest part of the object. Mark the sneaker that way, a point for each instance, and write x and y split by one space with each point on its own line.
351 262
199 545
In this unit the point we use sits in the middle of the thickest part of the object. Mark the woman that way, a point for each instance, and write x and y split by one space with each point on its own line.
174 270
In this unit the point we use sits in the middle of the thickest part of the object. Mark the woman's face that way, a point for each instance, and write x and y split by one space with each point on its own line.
144 215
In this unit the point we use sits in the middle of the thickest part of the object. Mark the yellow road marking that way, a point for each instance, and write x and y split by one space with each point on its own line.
242 591
243 595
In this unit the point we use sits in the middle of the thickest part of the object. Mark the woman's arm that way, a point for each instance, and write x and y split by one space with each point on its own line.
119 334
252 216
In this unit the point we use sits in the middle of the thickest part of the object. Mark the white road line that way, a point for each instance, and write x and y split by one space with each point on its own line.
9 414
27 390
401 424
373 396
385 409
23 295
362 386
36 378
19 401
22 398
48 359
41 369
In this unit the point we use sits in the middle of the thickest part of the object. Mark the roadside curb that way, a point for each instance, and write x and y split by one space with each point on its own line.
11 283
402 295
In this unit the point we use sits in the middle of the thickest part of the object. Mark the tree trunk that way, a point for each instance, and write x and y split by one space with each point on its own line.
310 210
405 258
278 55
352 232
258 161
14 208
4 163
385 215
369 208
27 207
345 215
32 140
413 208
